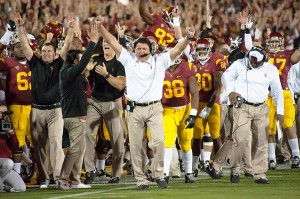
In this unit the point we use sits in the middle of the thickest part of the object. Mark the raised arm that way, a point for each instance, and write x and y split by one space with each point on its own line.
174 52
107 36
22 36
146 15
69 37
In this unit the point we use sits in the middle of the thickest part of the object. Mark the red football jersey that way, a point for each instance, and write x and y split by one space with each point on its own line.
205 75
163 33
18 81
175 88
282 61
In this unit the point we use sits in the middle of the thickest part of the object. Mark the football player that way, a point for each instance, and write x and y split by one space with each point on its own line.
18 92
159 23
283 60
180 112
210 68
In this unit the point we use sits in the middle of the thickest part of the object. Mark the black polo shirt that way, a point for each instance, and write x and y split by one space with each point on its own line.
45 80
102 90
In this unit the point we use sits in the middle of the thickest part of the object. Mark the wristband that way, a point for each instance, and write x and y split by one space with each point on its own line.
107 76
247 30
193 112
176 21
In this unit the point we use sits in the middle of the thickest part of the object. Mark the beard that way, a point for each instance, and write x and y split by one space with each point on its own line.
20 57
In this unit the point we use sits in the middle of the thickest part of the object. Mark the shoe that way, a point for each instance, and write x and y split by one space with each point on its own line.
167 179
149 177
161 183
130 170
248 175
195 173
262 181
126 163
143 187
295 162
235 178
114 180
108 160
90 177
272 164
44 185
282 160
63 186
80 186
176 177
189 178
221 174
103 174
181 164
212 172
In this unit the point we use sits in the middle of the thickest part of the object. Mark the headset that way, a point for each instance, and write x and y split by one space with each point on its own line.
261 51
145 40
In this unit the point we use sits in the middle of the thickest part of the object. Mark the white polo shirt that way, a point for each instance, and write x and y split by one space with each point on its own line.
253 84
294 79
144 80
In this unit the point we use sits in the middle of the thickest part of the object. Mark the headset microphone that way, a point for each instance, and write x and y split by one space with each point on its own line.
144 55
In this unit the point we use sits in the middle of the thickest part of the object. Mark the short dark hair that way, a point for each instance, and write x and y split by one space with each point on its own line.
49 44
72 55
143 40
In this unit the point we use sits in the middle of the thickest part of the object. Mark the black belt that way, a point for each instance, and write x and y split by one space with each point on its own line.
253 104
46 107
146 104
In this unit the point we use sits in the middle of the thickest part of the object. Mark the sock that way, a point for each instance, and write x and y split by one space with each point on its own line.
202 154
100 164
195 162
206 156
271 151
180 154
294 147
187 158
167 160
17 167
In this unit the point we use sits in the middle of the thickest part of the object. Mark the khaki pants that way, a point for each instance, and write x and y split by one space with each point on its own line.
112 115
143 117
175 166
46 133
250 124
71 169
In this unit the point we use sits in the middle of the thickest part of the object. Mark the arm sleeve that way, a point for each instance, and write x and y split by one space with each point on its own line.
122 41
277 93
77 69
229 76
248 42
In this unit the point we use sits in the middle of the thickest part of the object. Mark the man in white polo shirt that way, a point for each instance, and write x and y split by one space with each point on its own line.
252 75
145 74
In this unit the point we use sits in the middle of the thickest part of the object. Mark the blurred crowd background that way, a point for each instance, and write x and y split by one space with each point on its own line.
282 15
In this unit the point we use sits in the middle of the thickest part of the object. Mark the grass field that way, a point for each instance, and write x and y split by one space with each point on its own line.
285 184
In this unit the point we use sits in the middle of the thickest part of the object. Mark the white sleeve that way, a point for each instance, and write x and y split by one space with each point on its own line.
187 49
277 92
6 37
229 76
248 42
167 62
123 58
291 81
